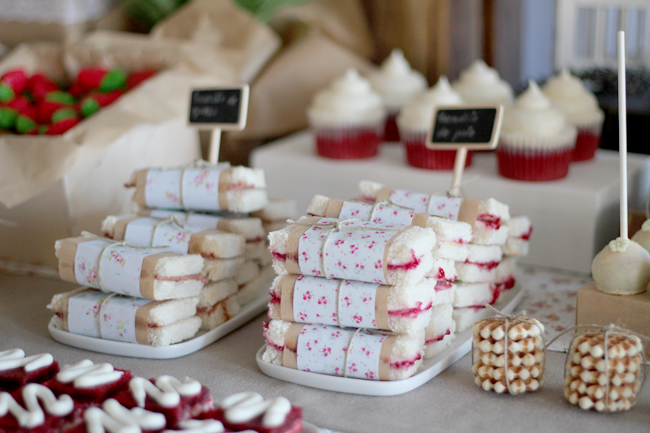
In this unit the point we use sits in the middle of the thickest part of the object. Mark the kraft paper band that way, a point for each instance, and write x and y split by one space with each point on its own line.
468 211
140 196
333 209
148 274
381 307
119 230
197 241
384 357
287 286
289 355
383 194
292 264
420 220
142 322
225 225
67 255
64 305
224 180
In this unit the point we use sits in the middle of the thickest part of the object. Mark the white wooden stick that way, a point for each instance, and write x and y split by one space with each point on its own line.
459 166
215 144
622 131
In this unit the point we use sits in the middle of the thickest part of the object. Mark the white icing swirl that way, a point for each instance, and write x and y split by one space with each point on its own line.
396 82
33 415
571 97
246 406
85 374
198 426
480 84
619 245
418 115
532 115
115 418
166 392
15 358
348 100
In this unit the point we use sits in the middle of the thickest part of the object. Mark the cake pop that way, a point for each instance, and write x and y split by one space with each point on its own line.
642 237
622 268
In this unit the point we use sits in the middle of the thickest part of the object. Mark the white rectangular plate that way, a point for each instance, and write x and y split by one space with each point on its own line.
430 367
201 340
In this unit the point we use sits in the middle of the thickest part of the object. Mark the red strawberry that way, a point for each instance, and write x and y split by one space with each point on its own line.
52 102
26 121
135 78
62 126
96 100
12 84
100 79
39 86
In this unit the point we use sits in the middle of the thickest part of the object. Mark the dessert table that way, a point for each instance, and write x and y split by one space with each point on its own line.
449 402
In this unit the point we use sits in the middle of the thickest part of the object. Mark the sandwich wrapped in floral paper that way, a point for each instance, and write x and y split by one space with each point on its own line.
303 299
353 250
119 267
343 352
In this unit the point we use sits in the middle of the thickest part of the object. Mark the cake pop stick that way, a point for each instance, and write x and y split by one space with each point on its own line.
622 130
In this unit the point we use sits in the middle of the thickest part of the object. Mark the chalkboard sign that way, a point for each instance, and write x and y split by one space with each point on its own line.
224 108
475 128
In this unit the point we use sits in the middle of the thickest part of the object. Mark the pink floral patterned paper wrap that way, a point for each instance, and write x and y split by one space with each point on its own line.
444 206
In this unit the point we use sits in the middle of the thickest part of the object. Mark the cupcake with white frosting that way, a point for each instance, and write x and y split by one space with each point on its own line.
347 118
479 84
397 84
580 107
414 121
536 141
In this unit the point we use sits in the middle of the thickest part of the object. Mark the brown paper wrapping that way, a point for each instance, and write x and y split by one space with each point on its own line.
148 274
468 211
119 230
333 209
195 245
290 360
287 287
420 219
384 193
141 316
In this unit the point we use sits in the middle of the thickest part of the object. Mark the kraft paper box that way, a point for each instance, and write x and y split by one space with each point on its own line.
594 307
54 187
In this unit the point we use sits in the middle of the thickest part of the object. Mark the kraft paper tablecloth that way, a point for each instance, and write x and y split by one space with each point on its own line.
448 403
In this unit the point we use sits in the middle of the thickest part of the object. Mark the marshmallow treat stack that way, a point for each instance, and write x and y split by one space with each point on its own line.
87 397
477 245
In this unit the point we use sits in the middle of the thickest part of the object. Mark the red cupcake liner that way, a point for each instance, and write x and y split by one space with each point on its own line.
418 155
533 166
357 143
391 132
587 143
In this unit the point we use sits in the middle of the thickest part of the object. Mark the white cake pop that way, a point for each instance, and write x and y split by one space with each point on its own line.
642 237
622 268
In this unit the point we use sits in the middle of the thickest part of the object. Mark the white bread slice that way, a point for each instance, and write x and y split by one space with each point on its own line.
436 347
451 250
258 285
219 313
474 294
174 332
249 270
216 291
218 269
443 269
445 293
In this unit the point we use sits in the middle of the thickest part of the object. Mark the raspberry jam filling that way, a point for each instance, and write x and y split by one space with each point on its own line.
411 312
488 266
274 346
442 285
239 186
438 338
254 240
405 364
197 277
526 236
491 221
496 290
279 256
508 283
413 264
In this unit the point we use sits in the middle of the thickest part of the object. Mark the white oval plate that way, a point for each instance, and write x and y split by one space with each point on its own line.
201 340
430 367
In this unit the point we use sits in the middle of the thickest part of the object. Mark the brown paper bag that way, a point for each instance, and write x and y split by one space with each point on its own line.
225 28
280 96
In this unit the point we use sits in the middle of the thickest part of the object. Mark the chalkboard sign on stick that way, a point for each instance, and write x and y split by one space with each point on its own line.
217 109
474 128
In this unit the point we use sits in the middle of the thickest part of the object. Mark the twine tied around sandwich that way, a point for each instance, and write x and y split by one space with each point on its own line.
611 329
112 243
101 312
171 219
507 318
356 332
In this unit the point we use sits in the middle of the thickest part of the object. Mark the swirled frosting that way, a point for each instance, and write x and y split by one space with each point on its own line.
569 95
396 82
418 114
349 100
533 116
480 84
